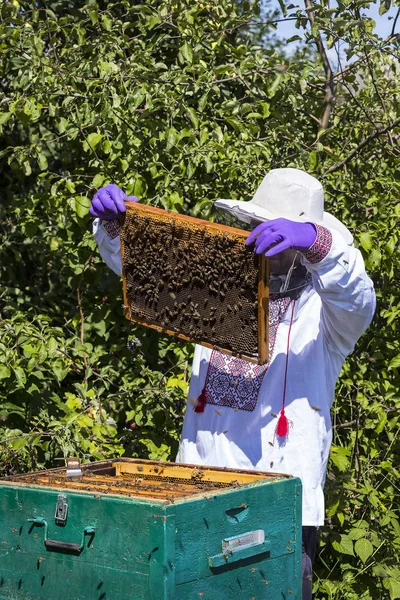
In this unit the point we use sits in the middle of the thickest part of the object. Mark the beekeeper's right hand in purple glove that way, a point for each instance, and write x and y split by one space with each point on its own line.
109 202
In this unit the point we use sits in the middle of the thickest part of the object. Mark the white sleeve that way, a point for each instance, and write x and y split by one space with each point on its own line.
109 247
346 291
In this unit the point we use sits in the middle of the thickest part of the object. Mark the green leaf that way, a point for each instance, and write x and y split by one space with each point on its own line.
34 441
266 108
234 122
180 383
73 402
203 102
344 546
374 259
107 22
84 421
19 443
393 585
364 549
20 376
275 85
42 161
395 362
172 136
100 327
94 16
59 371
4 372
340 457
27 168
153 21
283 7
366 240
52 346
98 180
356 533
187 52
384 6
4 117
94 139
382 424
313 160
62 124
82 205
193 117
390 247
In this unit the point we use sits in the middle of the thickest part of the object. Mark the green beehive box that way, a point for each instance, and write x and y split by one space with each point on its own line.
144 530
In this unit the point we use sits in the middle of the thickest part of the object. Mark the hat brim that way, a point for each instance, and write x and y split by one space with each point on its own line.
248 211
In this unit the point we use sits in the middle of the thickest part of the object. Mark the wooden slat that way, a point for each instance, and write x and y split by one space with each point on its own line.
263 311
214 228
142 489
182 472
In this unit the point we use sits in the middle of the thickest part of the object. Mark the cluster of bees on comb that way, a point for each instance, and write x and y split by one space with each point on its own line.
190 280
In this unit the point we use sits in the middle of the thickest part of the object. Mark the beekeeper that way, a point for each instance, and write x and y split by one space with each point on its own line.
275 417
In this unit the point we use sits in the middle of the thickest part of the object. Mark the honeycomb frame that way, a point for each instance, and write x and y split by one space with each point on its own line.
195 280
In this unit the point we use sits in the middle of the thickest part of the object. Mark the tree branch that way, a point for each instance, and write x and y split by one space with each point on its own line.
364 143
356 64
329 81
394 22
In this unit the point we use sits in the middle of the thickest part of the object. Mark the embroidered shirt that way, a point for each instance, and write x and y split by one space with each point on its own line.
236 383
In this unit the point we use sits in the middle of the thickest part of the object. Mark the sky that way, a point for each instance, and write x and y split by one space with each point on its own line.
384 25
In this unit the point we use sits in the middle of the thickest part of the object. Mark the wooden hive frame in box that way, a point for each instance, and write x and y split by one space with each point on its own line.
196 280
140 478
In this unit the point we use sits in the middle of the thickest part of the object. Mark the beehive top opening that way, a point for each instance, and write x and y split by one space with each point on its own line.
158 481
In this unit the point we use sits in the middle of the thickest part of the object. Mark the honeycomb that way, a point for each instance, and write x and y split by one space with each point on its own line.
193 279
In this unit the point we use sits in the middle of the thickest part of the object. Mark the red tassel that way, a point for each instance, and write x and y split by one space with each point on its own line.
282 427
201 402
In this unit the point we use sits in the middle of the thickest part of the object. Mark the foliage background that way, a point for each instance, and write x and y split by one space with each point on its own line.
182 102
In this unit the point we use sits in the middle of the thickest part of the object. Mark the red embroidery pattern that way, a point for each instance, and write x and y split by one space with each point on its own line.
235 383
320 247
112 228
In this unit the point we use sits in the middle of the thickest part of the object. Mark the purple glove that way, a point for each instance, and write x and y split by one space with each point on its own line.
109 202
282 234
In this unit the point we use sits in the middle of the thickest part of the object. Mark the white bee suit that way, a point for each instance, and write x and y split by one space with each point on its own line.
328 318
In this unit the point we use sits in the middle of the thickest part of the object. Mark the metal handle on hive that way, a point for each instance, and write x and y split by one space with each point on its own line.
59 544
240 547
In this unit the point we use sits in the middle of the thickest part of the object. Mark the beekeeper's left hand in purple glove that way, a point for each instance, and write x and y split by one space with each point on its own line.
109 202
281 234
